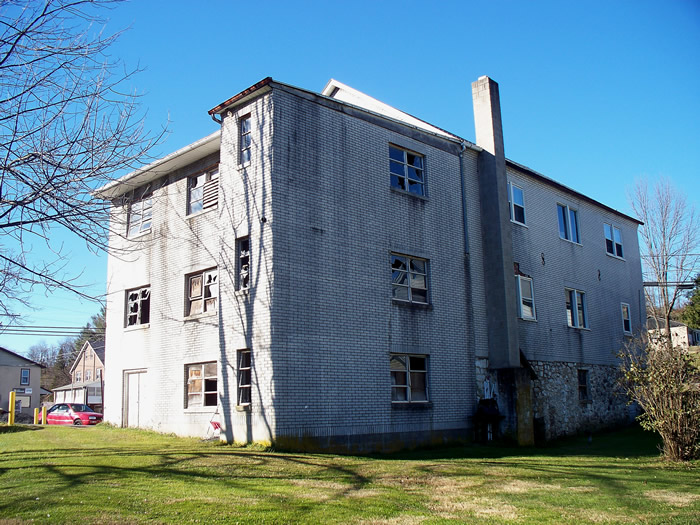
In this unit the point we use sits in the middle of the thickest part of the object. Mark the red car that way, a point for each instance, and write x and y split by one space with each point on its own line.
72 414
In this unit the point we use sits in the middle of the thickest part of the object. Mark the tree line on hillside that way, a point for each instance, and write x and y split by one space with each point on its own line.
59 358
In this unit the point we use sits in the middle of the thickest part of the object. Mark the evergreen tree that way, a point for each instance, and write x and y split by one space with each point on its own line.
691 312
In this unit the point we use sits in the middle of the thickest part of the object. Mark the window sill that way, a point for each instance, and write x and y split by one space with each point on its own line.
518 223
201 410
582 329
408 405
204 315
615 256
243 165
137 327
570 241
243 408
201 212
528 319
139 235
408 193
585 402
410 304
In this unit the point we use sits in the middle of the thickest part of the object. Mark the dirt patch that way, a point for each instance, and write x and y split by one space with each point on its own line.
520 486
676 499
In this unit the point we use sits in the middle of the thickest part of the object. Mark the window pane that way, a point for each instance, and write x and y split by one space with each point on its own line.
418 390
194 386
418 265
519 213
398 263
418 281
415 174
196 286
563 227
400 293
210 369
397 362
399 378
518 196
415 160
608 231
396 154
194 400
573 214
397 168
399 394
417 364
419 296
581 310
570 319
398 182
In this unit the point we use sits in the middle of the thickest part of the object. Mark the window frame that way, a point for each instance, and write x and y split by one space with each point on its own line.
22 380
78 376
144 204
209 198
417 181
569 226
512 204
409 372
410 276
244 377
138 303
205 287
612 247
581 309
243 264
626 321
519 279
88 375
204 392
245 139
584 385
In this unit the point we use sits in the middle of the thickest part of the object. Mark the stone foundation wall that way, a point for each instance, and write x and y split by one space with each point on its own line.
558 409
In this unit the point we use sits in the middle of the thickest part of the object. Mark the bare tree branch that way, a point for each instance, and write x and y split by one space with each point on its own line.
67 127
669 242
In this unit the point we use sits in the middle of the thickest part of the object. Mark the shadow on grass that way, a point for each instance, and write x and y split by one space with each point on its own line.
10 429
629 442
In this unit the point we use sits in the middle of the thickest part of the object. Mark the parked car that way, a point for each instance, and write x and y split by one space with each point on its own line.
72 414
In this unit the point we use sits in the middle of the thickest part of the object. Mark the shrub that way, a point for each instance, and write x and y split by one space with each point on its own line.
665 382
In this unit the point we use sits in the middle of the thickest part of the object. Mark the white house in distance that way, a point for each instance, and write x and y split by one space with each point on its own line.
87 377
326 271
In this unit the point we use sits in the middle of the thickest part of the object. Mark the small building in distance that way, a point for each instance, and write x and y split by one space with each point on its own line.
87 378
23 376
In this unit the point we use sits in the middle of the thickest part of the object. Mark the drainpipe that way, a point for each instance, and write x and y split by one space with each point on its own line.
463 146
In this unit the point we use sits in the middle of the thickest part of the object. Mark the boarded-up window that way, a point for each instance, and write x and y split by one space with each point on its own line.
202 292
202 385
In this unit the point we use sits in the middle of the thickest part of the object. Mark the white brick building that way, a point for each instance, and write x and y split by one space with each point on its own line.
326 271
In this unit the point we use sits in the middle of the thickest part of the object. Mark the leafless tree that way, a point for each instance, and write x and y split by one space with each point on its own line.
669 243
67 126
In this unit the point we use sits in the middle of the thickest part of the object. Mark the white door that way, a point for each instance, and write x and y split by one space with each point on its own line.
132 406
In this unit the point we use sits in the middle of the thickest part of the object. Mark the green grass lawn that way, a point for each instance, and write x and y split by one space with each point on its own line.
108 475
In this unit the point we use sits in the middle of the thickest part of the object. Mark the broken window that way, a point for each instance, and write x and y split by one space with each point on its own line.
526 297
24 376
406 170
203 191
626 319
576 314
409 378
613 240
409 279
516 203
246 138
244 377
243 257
138 306
202 290
140 215
202 385
584 390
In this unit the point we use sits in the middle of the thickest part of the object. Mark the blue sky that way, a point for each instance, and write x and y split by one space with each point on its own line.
593 94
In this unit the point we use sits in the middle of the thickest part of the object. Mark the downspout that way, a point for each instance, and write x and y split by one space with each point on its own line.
463 146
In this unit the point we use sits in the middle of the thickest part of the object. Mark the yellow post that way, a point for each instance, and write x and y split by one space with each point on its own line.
36 416
11 416
43 415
